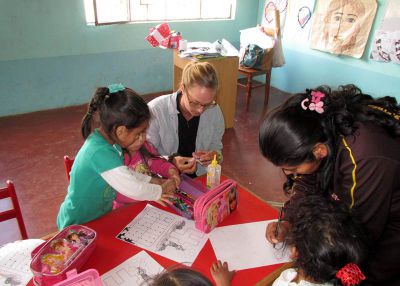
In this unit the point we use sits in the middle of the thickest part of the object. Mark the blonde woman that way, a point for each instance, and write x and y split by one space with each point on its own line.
187 126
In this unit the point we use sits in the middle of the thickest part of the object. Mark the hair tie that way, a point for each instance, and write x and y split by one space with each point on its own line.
115 87
384 110
350 275
316 102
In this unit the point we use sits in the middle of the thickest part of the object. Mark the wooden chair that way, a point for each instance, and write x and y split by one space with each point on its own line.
68 162
247 81
8 193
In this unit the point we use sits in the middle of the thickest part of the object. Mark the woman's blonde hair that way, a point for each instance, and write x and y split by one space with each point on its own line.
200 73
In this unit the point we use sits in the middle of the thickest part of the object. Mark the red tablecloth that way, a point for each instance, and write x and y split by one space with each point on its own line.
111 251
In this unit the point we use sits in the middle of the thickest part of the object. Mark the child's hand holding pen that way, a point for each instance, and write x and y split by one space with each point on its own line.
173 174
276 231
168 192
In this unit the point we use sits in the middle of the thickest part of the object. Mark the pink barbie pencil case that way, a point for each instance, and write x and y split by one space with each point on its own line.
87 278
212 208
68 249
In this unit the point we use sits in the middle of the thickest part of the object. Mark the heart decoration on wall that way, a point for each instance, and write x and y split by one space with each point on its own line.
269 11
272 5
303 16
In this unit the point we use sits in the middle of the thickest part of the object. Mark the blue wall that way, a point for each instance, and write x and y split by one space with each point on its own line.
307 68
50 58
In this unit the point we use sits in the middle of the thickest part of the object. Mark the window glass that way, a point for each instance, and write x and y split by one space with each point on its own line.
119 11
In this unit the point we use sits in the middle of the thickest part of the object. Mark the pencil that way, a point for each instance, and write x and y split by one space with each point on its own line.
279 222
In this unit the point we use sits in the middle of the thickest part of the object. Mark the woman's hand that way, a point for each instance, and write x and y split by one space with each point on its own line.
186 165
271 231
173 174
221 274
204 157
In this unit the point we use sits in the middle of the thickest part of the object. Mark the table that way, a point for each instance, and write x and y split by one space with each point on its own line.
227 71
111 251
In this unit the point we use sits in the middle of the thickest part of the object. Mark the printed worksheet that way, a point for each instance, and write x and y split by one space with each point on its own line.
166 234
244 246
133 271
15 259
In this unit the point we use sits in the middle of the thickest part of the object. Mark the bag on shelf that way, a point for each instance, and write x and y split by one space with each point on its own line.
255 57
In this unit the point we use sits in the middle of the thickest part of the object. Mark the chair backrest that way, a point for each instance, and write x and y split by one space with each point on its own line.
274 31
8 193
68 162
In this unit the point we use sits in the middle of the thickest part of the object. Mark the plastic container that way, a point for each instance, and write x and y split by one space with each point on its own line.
213 174
68 249
87 278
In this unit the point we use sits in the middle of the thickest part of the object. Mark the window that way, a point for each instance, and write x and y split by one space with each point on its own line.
105 12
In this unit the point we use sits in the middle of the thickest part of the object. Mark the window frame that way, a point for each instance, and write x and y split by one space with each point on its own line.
96 18
130 21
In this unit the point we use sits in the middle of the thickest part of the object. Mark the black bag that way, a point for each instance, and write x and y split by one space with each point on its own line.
253 57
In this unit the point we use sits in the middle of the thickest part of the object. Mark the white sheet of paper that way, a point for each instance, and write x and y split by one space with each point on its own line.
15 259
298 21
255 36
228 50
133 271
166 234
244 246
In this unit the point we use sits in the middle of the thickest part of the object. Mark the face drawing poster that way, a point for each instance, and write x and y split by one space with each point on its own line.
386 44
298 21
268 19
342 26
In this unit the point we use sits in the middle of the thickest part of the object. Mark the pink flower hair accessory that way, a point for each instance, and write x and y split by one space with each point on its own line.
316 103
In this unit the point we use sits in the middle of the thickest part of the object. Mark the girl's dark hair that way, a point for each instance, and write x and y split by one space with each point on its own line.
289 133
180 277
121 108
326 237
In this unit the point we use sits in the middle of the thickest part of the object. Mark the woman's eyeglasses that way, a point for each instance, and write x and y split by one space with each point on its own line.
197 105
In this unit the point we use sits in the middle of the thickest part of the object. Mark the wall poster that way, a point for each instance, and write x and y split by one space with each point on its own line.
386 44
342 27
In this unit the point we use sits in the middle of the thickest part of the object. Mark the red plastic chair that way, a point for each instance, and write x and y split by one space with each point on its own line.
68 162
9 192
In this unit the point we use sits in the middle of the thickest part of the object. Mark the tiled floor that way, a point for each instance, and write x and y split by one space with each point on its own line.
32 147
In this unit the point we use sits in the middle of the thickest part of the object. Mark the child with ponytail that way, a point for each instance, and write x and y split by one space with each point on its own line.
99 172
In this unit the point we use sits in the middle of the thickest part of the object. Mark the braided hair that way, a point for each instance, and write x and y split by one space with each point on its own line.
289 133
119 108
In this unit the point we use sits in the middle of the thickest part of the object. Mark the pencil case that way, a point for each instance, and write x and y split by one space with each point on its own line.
87 278
188 192
212 208
68 249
